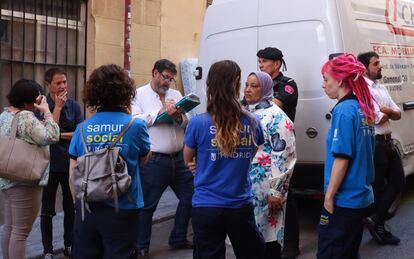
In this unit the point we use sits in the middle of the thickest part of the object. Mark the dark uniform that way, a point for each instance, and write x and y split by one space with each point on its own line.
70 116
286 91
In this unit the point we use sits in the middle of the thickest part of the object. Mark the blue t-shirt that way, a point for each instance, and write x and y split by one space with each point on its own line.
222 181
351 137
98 132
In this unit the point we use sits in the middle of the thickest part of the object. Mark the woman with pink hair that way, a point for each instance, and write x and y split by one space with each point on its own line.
349 165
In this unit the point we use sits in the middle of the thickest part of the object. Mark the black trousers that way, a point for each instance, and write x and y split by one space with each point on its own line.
291 238
389 177
105 234
48 210
340 234
211 224
273 250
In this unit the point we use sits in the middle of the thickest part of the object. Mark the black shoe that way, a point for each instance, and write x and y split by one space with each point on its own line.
290 252
67 251
379 233
143 253
186 245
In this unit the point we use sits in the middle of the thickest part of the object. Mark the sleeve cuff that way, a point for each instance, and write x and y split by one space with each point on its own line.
339 155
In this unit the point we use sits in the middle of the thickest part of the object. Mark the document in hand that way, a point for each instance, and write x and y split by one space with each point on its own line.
186 104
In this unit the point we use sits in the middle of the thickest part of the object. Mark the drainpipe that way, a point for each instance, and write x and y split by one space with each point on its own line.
127 37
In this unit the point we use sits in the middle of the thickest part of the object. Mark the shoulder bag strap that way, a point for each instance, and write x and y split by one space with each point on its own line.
122 133
13 130
83 139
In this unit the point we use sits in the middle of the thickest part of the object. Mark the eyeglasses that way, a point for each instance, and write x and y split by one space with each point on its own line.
167 79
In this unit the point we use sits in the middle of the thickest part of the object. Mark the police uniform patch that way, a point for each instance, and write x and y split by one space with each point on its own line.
289 89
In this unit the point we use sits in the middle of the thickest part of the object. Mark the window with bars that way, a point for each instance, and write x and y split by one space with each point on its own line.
36 35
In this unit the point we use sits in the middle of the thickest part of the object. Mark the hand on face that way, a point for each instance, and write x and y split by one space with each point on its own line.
60 99
41 104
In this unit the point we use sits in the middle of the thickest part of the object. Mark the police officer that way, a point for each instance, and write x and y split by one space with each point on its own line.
285 89
286 97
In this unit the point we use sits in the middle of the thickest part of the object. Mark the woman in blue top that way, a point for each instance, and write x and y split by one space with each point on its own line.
105 233
349 164
224 141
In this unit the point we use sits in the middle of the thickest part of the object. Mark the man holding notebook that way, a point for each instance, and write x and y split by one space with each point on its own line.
166 166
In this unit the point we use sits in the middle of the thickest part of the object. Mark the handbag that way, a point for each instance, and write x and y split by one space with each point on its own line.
101 175
19 160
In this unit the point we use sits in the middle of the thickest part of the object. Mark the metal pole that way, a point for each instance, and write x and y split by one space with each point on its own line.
34 38
127 36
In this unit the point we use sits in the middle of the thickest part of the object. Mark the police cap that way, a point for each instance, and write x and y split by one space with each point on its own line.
270 53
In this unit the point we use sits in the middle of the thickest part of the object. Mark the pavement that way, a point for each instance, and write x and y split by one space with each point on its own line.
34 249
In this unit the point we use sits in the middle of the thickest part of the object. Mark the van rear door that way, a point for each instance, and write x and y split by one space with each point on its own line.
306 32
229 32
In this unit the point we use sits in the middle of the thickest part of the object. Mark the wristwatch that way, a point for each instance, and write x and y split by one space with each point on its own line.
179 119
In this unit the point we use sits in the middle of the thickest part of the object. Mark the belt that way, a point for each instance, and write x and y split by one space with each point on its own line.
166 155
385 137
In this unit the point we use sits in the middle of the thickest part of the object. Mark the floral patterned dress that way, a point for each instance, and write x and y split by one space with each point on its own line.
32 130
272 168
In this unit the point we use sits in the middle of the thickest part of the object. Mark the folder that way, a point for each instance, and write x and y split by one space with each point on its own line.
186 104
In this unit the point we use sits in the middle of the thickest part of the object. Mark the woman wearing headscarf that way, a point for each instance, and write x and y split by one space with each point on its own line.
273 163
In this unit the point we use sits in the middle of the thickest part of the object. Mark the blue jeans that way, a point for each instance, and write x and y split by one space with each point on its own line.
211 224
160 172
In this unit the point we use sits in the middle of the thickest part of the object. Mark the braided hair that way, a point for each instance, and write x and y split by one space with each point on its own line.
350 71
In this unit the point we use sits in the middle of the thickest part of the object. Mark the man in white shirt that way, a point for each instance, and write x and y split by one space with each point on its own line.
166 166
389 173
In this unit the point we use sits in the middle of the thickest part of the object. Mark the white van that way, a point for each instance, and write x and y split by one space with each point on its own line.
308 32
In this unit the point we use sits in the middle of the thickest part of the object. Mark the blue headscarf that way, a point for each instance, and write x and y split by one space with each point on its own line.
265 84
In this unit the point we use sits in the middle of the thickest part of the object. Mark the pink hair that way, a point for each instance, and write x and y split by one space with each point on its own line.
350 71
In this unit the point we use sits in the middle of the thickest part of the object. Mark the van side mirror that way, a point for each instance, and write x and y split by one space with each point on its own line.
198 73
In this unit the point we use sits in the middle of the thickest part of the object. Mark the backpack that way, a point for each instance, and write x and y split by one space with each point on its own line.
101 175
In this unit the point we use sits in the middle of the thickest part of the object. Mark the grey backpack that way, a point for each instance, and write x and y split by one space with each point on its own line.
101 175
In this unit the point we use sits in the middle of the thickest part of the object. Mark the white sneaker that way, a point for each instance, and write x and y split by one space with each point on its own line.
48 256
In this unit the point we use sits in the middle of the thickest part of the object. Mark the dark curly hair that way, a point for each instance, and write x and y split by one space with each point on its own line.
24 92
109 85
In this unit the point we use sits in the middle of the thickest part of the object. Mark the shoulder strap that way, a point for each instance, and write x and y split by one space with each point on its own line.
122 133
13 130
82 138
